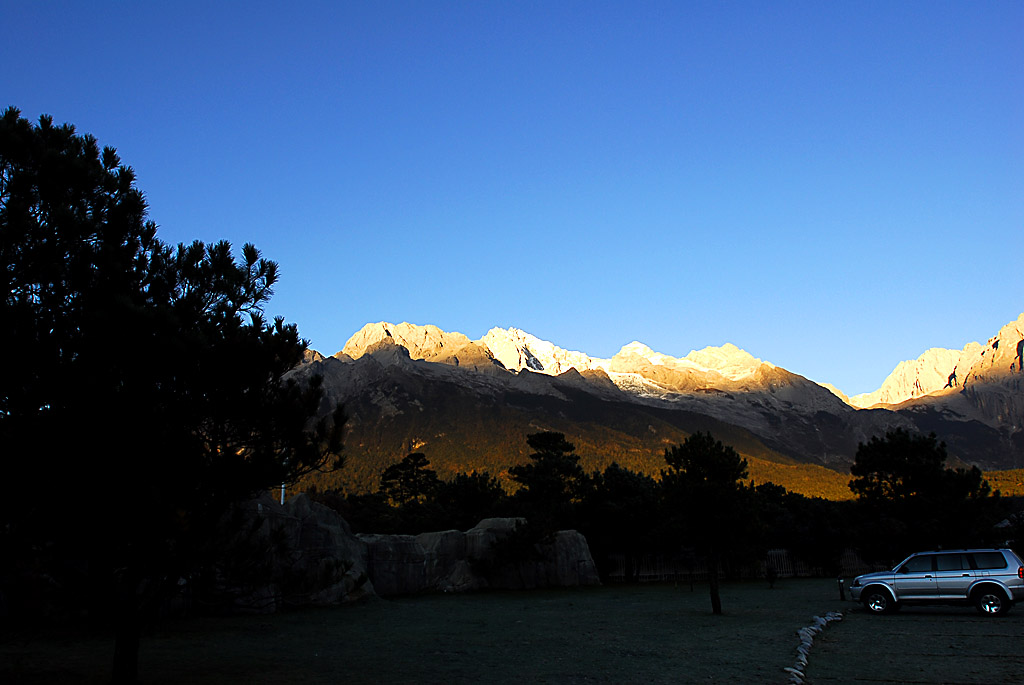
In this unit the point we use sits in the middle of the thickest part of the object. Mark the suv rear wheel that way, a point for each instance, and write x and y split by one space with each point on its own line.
991 602
878 601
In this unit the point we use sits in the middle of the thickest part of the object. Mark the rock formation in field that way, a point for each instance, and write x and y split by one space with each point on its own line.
303 553
453 561
297 554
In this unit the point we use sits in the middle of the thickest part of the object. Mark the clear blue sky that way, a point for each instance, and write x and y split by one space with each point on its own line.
833 186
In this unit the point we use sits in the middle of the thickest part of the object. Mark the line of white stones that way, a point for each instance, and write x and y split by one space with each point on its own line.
807 634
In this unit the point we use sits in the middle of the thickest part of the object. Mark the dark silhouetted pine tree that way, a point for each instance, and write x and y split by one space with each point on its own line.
142 390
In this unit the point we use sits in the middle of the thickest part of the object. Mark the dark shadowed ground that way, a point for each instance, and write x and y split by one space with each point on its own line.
646 634
921 645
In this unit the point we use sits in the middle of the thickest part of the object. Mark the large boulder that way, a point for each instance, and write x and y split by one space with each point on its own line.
297 554
497 553
304 553
446 562
505 553
396 564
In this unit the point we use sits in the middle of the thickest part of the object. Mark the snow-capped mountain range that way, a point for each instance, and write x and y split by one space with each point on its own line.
399 380
936 372
517 350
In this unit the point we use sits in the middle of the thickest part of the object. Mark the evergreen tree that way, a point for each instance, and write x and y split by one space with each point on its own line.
706 501
468 498
910 500
552 483
553 473
409 481
619 515
142 390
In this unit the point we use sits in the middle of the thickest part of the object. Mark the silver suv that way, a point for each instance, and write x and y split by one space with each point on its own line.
991 579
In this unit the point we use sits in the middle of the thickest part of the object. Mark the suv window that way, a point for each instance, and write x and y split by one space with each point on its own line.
917 564
987 560
952 562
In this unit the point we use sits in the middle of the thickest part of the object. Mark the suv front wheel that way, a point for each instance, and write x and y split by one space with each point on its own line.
991 602
878 601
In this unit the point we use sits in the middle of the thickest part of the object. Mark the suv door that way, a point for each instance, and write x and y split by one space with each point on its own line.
915 579
953 574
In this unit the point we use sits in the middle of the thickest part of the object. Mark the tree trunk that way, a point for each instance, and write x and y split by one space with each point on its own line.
127 630
716 599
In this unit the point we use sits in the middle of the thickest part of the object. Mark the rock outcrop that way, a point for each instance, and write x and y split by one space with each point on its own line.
303 553
1001 358
990 386
943 372
310 356
452 561
932 372
518 350
422 342
297 554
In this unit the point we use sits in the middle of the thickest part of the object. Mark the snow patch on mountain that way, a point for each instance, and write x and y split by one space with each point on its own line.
728 360
519 350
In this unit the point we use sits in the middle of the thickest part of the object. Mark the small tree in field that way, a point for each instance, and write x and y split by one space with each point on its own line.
706 502
142 391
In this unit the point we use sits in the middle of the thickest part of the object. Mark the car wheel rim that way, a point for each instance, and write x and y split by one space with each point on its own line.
877 603
991 604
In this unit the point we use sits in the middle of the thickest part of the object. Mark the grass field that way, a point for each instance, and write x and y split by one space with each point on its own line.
621 634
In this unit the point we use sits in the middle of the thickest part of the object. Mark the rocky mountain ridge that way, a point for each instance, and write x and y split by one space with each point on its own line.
928 374
515 350
940 370
982 382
